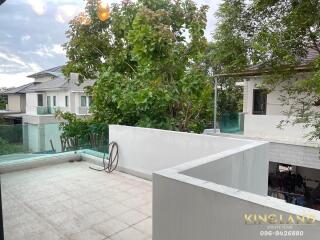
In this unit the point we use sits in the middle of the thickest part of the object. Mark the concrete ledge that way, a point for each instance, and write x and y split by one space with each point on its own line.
23 164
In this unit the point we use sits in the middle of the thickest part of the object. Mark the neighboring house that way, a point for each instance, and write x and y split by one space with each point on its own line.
17 99
264 111
50 91
35 105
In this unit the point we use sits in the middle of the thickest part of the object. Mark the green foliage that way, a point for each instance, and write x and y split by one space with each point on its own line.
3 100
227 53
9 148
148 62
85 132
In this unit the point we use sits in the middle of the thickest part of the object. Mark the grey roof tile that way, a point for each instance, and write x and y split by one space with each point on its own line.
20 90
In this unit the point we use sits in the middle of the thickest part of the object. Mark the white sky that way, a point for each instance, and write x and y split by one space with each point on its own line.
32 31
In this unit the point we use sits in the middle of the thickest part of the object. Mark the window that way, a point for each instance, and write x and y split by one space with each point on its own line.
90 100
54 101
66 99
48 101
83 101
259 102
40 100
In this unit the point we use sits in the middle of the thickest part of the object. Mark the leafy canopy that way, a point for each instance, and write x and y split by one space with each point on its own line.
148 60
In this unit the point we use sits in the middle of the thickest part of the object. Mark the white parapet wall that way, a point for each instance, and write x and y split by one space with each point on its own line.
143 151
223 196
209 187
244 168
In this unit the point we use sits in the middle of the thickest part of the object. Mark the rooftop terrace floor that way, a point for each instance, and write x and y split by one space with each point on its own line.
70 201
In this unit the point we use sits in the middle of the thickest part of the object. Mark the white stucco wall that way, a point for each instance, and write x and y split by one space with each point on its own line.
60 99
274 106
14 103
78 108
265 126
43 79
246 170
32 103
145 151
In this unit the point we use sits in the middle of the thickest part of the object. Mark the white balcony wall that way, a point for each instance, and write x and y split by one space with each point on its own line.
245 170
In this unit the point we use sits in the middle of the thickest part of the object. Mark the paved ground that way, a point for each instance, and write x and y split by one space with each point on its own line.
70 201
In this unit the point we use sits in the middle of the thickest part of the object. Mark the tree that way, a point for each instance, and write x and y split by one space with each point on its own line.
283 34
148 62
3 98
278 36
227 53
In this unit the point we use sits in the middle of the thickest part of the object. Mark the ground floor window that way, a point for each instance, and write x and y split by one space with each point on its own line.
259 102
54 101
90 100
67 101
40 100
83 101
48 101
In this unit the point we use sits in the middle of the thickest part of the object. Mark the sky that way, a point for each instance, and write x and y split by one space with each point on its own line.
32 32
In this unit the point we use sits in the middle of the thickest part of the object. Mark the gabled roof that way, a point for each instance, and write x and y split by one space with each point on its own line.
55 84
59 84
56 71
260 69
19 90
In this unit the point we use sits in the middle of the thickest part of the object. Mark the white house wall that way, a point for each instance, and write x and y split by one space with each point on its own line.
266 126
274 106
77 100
23 103
31 103
43 79
14 103
60 98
